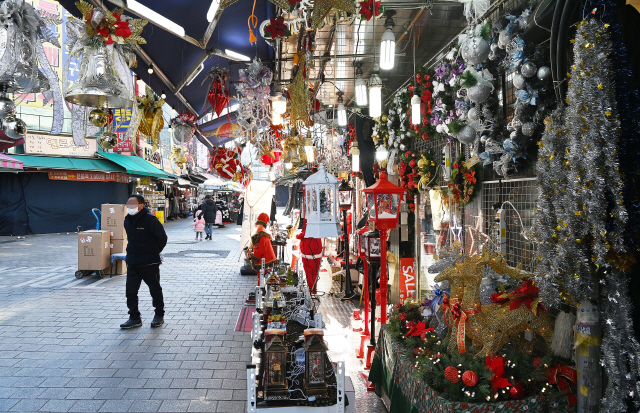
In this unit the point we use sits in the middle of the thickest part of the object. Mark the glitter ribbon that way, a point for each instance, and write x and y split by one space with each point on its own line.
564 377
462 315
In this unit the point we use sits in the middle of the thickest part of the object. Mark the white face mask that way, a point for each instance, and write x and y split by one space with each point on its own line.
132 211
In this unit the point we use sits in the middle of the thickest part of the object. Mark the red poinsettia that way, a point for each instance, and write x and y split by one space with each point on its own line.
470 177
276 28
122 29
366 9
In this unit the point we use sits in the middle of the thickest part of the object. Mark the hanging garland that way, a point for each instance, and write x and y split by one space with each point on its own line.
416 171
445 119
463 181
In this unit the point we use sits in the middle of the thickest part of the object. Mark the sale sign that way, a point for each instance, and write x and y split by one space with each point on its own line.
407 278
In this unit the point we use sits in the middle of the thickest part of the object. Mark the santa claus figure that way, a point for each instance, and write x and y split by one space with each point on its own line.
261 246
311 251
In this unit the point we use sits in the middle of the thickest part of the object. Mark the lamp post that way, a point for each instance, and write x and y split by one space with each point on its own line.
372 251
345 194
383 201
365 278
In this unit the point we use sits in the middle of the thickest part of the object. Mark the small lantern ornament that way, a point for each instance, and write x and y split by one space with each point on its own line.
275 377
345 193
372 246
315 357
321 206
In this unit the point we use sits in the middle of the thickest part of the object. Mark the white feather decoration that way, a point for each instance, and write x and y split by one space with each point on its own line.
562 344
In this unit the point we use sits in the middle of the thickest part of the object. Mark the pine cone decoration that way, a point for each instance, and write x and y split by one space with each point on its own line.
470 378
451 373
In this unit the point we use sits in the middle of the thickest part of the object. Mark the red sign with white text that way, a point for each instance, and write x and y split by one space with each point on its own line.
407 278
88 176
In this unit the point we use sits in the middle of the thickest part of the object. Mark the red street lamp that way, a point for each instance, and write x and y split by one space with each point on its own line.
383 201
365 283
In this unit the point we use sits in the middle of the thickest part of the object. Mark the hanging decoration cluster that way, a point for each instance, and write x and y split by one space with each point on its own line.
151 121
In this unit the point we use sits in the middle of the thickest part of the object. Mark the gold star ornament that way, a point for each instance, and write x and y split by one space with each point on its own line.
322 8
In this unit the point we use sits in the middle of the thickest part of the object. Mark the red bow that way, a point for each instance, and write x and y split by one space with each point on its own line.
565 377
527 294
418 329
496 364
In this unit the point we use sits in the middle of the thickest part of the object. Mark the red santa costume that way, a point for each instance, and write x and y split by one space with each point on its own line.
311 251
261 246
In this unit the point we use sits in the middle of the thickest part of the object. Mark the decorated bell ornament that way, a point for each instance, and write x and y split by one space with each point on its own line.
7 107
14 128
109 140
98 118
98 84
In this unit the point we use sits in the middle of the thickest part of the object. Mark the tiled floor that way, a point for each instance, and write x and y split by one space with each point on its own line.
61 348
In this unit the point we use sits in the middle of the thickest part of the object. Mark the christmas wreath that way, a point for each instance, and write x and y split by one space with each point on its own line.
463 181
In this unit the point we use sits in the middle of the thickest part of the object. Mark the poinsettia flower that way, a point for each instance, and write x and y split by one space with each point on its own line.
102 30
366 9
122 29
276 27
109 40
470 177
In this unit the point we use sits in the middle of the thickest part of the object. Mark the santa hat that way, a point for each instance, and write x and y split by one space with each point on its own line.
262 219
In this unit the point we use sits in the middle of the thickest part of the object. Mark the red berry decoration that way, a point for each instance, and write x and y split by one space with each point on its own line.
451 373
469 378
516 391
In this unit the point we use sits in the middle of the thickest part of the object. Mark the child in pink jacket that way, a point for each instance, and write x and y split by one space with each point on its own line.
198 223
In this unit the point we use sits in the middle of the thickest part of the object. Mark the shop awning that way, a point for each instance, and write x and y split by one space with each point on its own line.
183 182
74 164
7 162
136 165
194 178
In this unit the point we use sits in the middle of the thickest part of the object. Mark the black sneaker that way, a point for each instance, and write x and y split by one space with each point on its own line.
131 324
157 321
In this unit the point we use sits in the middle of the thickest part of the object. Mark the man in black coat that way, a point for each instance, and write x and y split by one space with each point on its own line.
147 239
209 210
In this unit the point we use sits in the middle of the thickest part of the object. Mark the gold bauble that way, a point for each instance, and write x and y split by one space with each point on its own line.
109 140
98 118
384 118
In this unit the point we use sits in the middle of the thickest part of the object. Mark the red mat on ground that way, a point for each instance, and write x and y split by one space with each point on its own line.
245 319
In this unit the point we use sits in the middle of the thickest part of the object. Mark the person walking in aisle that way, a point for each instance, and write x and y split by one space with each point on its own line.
209 210
147 239
198 223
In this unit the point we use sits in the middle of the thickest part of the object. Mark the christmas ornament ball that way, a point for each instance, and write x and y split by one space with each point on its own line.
493 56
475 50
14 128
528 69
403 147
384 118
98 118
544 72
469 378
486 112
479 93
528 128
466 135
109 140
7 107
483 139
504 39
495 47
472 114
516 391
451 373
518 81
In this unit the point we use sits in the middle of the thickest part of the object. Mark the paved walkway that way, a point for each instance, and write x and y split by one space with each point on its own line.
61 348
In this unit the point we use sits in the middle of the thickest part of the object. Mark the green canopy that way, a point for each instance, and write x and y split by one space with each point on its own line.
74 164
136 165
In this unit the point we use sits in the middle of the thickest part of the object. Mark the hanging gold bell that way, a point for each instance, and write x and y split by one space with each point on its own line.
98 84
109 140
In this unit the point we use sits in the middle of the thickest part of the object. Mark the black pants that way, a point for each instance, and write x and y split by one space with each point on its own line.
150 274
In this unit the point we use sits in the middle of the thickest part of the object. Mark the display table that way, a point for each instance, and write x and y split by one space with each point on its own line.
392 373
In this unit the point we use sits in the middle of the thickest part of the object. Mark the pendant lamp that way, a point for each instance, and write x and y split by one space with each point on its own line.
361 87
388 43
355 157
342 112
415 100
375 93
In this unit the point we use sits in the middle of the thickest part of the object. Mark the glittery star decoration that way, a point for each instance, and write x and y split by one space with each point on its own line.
322 8
226 3
283 4
300 94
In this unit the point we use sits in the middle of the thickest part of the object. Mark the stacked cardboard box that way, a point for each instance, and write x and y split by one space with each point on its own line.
112 220
94 250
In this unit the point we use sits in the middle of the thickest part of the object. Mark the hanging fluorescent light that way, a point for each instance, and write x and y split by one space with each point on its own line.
213 9
375 93
355 157
342 112
388 44
195 74
152 16
236 56
381 153
415 110
361 88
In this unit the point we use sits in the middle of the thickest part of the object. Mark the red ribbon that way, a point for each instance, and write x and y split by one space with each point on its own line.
565 378
496 364
461 316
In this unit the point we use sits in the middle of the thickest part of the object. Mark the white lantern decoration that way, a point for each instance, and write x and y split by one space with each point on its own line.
321 205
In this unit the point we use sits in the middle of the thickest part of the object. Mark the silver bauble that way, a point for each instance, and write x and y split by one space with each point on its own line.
514 134
493 56
544 72
479 93
528 128
504 39
466 135
483 139
495 47
14 128
528 69
475 50
486 113
403 147
7 107
109 140
519 81
472 114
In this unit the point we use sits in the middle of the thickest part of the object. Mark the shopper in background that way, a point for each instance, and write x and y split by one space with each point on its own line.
199 224
209 210
147 239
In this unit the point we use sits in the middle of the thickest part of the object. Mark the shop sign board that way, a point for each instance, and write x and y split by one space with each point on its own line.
121 122
89 176
36 144
407 278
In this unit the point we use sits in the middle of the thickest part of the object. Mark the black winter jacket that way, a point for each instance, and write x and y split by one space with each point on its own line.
209 210
146 237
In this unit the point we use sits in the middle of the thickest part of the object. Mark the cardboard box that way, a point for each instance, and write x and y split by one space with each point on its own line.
112 220
94 250
118 246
